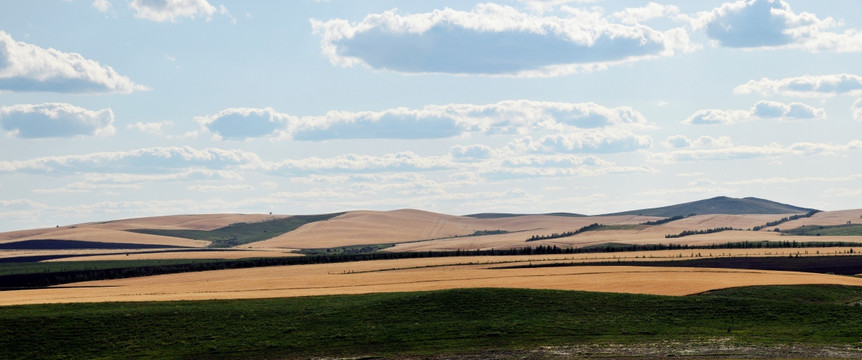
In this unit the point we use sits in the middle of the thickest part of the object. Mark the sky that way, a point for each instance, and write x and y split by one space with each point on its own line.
114 109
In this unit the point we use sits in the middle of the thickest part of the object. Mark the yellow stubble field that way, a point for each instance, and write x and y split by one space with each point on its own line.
432 274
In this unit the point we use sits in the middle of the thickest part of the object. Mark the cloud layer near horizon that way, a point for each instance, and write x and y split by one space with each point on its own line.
587 127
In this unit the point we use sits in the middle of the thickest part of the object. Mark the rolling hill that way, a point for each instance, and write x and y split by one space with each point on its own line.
720 205
411 230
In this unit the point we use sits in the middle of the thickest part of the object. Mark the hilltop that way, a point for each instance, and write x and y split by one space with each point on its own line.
720 205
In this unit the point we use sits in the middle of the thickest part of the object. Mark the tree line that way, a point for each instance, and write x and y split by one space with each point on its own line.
697 232
784 220
590 227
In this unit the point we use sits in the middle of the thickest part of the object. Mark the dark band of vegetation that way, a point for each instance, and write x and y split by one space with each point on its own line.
785 219
565 234
838 265
697 232
667 220
242 233
55 273
425 324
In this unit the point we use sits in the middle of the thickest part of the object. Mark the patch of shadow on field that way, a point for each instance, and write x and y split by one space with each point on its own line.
706 349
836 265
52 244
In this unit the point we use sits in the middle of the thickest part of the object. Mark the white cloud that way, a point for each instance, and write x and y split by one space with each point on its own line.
650 11
352 163
795 180
429 122
773 24
542 6
26 67
101 5
717 116
857 110
155 128
556 165
141 161
805 86
243 123
493 40
677 141
55 120
761 110
608 140
173 10
723 149
475 152
87 187
221 188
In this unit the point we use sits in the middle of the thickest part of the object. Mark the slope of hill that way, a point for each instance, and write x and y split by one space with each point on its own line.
720 205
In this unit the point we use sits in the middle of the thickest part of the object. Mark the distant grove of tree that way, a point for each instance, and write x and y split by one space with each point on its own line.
667 220
590 227
697 232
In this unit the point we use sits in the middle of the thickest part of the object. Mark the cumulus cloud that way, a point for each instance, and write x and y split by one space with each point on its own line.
155 128
703 142
55 120
761 110
610 140
773 24
492 39
173 10
140 161
429 122
857 110
650 11
27 67
101 5
475 152
805 86
243 123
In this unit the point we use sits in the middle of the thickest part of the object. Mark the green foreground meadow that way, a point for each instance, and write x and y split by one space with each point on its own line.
468 321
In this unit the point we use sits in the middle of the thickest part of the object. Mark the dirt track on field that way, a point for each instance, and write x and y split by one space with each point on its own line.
413 275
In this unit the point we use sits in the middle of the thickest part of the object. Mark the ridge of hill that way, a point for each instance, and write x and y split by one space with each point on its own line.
508 215
719 205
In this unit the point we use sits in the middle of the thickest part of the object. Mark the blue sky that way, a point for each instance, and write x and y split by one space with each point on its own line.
125 108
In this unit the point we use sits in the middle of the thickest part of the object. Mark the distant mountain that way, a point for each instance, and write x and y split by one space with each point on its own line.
507 215
720 205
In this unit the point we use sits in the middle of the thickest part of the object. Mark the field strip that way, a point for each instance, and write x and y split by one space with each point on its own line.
361 277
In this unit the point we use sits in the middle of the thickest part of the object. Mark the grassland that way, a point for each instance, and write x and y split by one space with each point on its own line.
471 321
826 230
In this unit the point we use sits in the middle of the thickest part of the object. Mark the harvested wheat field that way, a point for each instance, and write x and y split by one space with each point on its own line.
405 226
413 275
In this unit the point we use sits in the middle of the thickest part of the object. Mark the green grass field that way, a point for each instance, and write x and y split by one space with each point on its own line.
448 322
824 230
